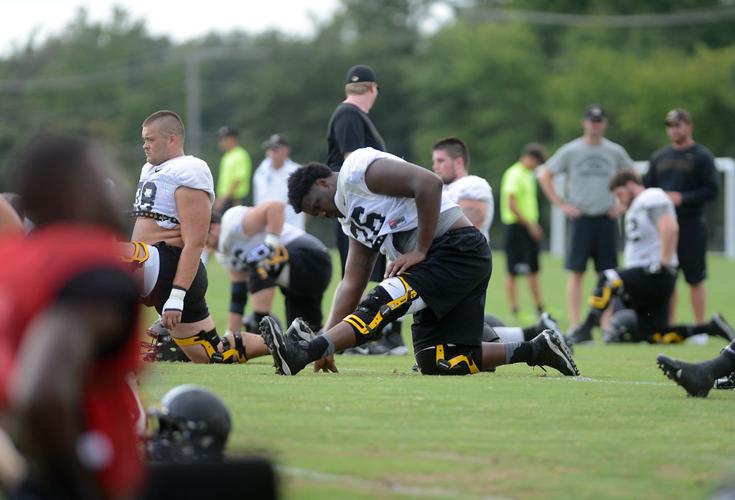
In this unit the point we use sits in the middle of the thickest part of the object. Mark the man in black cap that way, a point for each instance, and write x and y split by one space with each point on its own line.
350 129
588 163
686 171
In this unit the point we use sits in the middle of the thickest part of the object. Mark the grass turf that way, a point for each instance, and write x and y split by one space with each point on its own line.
379 430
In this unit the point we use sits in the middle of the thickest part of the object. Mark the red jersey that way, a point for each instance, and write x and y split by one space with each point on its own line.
35 269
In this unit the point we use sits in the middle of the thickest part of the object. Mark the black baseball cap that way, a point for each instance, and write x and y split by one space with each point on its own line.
227 132
275 141
677 115
360 73
594 113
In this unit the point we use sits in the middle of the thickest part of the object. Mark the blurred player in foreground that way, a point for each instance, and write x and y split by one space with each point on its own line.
441 265
68 323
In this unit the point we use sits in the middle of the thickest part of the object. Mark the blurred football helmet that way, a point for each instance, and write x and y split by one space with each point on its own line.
193 426
623 327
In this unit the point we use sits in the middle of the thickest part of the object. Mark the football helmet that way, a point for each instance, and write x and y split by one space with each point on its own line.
193 426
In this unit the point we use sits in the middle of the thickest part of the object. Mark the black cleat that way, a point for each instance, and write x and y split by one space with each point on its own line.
695 379
726 383
579 335
722 328
289 351
549 349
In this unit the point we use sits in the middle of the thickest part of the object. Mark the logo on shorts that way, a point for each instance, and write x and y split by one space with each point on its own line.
394 223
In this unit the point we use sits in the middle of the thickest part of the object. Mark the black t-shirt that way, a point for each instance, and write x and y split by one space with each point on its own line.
689 171
350 129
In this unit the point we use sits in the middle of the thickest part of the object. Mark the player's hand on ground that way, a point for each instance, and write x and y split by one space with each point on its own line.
326 365
537 232
403 263
171 318
571 211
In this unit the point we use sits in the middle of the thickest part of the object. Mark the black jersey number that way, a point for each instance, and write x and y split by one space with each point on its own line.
366 227
145 198
631 231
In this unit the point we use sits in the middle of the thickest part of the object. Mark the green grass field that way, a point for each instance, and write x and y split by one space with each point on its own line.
378 430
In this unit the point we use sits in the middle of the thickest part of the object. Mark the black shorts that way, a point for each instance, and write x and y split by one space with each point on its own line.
521 250
452 280
195 304
343 245
427 358
648 295
692 249
592 237
310 271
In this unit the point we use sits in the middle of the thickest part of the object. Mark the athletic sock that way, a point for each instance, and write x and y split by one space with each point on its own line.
320 347
509 334
722 365
518 352
530 332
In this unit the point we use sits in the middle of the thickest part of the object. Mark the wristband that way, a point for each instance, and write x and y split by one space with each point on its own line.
272 240
175 301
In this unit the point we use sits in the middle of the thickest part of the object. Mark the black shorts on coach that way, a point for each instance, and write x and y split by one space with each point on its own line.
592 237
521 250
692 249
195 304
452 280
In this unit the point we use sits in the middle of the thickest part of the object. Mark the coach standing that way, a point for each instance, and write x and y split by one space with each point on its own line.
589 163
686 171
350 129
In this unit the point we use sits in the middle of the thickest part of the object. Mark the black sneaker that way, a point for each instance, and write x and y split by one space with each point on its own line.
549 349
547 322
290 355
369 349
579 335
726 383
695 379
721 327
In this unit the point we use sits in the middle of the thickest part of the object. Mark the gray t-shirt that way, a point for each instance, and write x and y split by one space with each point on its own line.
588 171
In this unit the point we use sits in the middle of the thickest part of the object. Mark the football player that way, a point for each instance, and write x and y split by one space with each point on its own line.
261 252
647 281
451 161
68 317
439 271
173 206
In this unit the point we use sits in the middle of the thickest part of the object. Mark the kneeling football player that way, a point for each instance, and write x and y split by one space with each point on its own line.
441 265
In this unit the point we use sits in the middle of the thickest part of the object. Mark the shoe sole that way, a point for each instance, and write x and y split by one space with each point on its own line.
559 347
274 345
724 326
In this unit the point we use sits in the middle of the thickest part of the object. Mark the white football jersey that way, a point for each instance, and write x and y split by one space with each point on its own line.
642 239
474 188
234 244
372 218
155 196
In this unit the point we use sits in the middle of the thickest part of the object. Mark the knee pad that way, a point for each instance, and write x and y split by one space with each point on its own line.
380 307
230 353
608 284
208 340
238 297
461 364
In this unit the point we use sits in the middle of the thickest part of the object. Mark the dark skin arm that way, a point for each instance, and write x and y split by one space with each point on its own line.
359 266
46 387
405 180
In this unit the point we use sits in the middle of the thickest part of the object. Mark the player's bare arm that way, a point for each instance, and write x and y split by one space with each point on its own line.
268 216
359 266
195 213
405 180
474 210
668 228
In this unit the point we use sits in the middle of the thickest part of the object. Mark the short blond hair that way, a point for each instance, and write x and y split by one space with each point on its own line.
170 122
358 88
